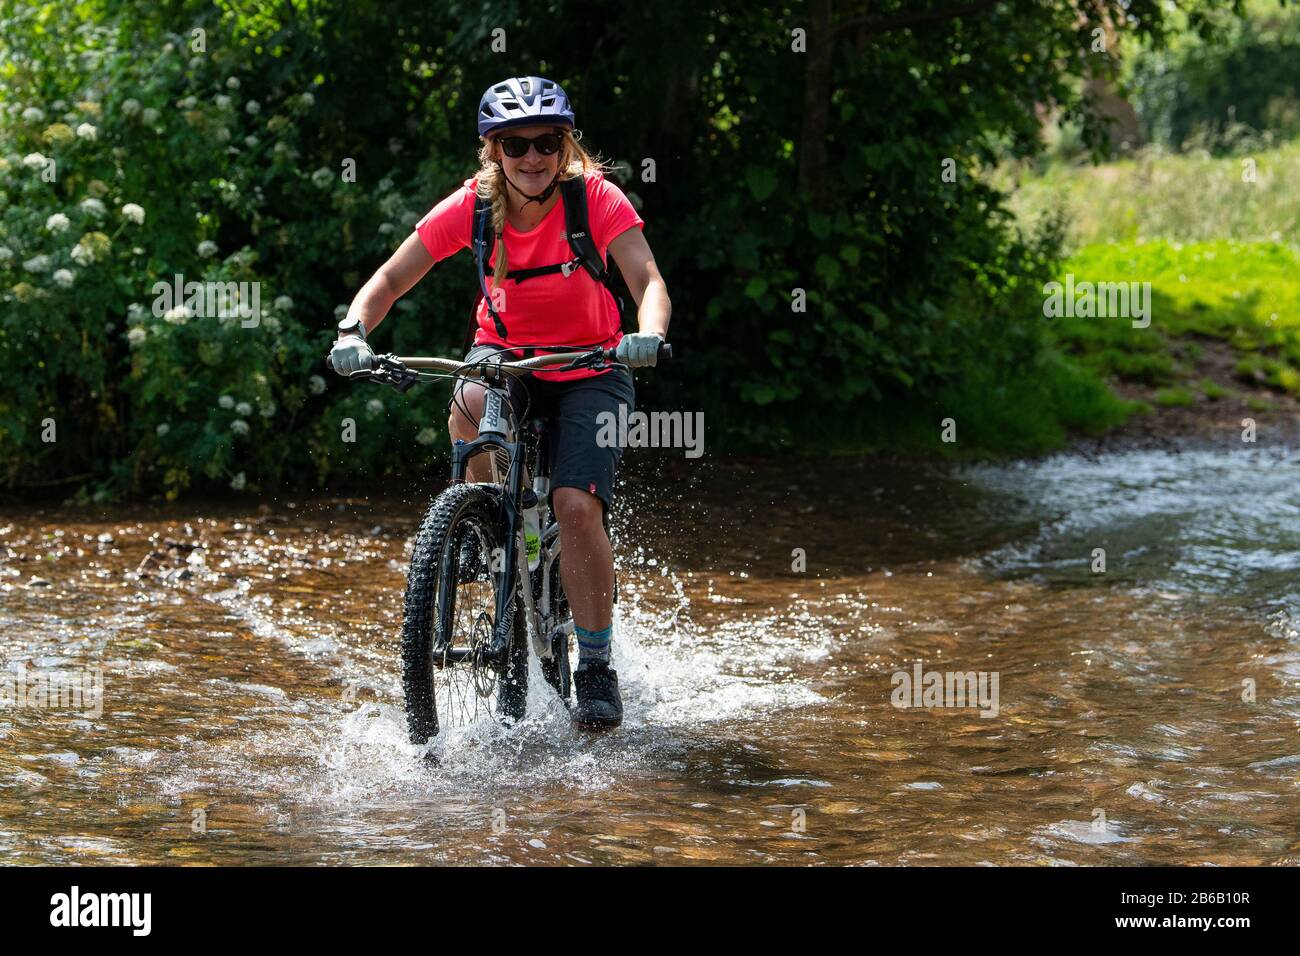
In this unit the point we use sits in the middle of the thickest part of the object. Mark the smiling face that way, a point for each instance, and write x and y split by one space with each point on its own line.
531 172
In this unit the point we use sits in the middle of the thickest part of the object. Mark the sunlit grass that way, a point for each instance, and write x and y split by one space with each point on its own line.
1243 294
1185 198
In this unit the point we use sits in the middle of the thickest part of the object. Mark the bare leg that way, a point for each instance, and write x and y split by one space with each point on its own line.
586 558
466 429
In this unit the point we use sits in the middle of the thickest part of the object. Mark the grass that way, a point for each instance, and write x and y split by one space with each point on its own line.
1244 295
1225 303
1154 195
990 413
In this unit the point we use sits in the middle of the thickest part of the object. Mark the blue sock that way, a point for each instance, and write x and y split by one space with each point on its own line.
593 645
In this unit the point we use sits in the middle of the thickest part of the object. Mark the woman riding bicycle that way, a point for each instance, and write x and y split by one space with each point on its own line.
528 148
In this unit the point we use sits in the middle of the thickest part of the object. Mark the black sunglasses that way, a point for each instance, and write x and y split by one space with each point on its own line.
517 146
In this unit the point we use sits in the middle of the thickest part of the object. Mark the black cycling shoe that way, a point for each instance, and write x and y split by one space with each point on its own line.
599 705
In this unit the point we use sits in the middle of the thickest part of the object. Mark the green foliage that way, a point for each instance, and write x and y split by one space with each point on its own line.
1225 95
1175 396
222 152
1244 296
1157 195
910 281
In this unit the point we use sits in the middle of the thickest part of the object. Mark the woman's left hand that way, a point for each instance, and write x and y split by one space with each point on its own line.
638 349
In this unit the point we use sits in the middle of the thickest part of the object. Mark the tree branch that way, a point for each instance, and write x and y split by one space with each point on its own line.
816 103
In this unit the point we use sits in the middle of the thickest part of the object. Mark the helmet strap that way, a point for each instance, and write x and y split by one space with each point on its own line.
542 196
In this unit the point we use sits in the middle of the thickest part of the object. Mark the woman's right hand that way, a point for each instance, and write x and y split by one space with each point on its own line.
351 354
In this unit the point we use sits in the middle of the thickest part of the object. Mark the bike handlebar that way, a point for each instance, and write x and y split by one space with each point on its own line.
399 371
522 366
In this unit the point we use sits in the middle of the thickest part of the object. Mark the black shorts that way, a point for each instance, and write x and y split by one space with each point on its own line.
574 409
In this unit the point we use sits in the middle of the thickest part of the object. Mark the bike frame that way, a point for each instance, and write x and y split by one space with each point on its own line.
498 430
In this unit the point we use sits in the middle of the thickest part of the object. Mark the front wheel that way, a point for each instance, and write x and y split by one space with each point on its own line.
450 613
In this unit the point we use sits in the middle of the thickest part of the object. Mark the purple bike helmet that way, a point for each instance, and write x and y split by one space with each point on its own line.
523 101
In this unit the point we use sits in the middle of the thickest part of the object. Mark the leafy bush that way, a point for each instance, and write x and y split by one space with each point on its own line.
130 157
230 127
1231 95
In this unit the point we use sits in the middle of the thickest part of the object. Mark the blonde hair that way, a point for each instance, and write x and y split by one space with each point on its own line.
491 185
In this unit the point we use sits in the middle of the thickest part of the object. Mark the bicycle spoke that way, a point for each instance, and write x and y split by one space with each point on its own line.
464 693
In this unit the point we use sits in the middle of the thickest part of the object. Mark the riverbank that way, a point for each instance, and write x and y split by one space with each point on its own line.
1210 242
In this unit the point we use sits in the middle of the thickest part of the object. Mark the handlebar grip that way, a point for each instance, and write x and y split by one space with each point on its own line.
664 354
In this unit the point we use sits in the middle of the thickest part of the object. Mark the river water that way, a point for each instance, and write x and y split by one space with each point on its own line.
251 699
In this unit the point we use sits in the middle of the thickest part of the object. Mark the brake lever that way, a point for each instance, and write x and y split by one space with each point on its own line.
387 372
594 359
404 380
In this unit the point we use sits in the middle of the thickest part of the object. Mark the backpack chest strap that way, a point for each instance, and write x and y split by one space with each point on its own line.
520 275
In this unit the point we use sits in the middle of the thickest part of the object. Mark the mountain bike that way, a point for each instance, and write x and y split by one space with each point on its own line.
481 594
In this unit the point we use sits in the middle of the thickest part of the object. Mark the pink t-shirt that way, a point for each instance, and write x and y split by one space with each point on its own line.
551 309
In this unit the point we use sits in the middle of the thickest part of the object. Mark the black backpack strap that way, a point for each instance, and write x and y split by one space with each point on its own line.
578 227
574 193
479 244
522 275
